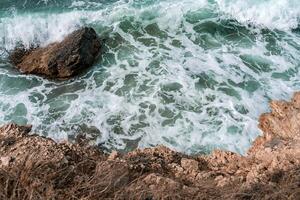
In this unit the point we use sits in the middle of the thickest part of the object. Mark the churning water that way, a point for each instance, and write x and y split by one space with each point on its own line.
193 75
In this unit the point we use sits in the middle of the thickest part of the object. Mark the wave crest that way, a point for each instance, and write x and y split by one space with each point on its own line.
273 14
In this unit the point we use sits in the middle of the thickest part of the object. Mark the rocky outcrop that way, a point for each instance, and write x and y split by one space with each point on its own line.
75 53
33 167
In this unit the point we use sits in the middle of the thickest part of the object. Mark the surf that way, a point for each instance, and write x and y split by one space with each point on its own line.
191 75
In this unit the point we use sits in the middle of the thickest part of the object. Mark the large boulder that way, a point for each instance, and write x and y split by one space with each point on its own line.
75 53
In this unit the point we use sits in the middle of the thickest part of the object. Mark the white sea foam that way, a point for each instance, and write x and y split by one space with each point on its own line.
46 28
273 14
37 28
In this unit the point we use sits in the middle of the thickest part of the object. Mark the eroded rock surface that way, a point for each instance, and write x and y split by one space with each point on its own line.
75 53
33 167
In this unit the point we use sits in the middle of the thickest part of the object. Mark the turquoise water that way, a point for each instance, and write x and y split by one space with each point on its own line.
192 75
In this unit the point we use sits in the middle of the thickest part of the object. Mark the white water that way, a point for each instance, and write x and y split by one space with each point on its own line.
273 14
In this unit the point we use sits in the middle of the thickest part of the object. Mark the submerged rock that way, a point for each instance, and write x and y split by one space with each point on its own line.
75 53
39 168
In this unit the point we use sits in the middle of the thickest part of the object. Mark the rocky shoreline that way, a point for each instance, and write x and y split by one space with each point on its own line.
34 167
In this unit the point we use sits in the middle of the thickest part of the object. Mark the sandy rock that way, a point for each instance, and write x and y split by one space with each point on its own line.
113 155
189 164
5 160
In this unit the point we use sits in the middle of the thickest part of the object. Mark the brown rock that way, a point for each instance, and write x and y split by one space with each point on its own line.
283 121
270 170
5 160
113 155
189 164
75 53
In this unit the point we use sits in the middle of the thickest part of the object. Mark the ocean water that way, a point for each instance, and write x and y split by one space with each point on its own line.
193 75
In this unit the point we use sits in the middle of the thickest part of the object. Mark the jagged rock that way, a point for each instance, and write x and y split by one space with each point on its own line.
44 169
75 53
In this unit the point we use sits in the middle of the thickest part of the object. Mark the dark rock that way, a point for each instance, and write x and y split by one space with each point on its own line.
75 53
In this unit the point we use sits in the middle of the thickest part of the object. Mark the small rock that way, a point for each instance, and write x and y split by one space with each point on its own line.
113 155
222 182
189 164
6 160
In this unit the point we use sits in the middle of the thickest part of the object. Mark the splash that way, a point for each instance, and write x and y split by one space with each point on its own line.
273 14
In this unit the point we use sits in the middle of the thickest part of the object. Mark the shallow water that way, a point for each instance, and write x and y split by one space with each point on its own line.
192 75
